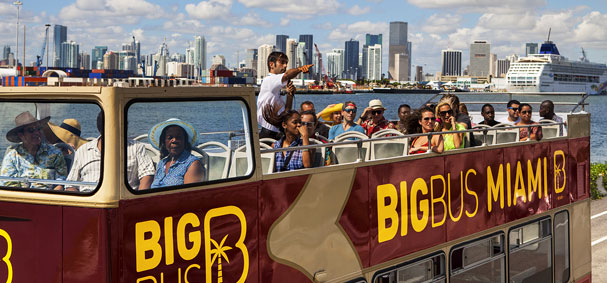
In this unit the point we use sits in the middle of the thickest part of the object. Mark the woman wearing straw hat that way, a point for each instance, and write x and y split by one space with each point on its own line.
174 138
32 157
66 137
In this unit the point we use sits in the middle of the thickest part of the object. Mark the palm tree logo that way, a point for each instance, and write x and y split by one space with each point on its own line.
218 253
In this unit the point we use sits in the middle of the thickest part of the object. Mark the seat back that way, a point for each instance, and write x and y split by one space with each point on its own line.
485 137
550 131
388 148
506 135
347 153
204 158
318 160
219 159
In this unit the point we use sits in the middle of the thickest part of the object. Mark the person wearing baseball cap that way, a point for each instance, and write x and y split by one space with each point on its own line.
32 158
372 119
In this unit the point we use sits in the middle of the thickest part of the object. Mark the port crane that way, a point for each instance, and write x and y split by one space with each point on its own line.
39 58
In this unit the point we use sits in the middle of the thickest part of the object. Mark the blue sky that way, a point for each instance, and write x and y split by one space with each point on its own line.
231 26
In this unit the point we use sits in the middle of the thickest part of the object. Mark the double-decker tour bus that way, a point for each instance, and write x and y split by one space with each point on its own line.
79 209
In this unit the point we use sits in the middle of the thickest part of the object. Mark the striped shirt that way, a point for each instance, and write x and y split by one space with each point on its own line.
87 164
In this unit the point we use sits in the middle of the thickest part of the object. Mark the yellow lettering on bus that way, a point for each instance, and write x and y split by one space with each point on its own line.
495 189
519 184
509 184
185 274
419 224
534 181
440 199
7 257
461 199
404 225
169 251
193 237
386 211
558 170
545 176
470 215
147 278
143 245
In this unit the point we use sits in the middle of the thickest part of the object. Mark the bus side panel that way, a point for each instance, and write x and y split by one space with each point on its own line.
164 238
275 197
560 167
580 152
33 233
85 245
355 218
421 225
466 178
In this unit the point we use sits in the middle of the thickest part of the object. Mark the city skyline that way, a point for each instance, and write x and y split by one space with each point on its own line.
230 27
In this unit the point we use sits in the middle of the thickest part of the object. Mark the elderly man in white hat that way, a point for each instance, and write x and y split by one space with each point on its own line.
32 157
373 117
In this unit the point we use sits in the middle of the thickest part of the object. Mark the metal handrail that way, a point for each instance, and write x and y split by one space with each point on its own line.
46 181
429 135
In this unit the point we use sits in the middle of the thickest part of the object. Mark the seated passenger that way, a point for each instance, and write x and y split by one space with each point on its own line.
87 164
488 114
309 120
67 133
332 114
321 129
404 111
347 124
525 116
32 157
513 113
448 123
294 134
420 144
547 112
175 138
375 121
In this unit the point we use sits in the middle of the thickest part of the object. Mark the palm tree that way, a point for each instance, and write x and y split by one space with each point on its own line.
219 252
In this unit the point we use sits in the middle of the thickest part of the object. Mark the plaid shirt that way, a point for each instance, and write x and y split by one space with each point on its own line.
296 161
371 128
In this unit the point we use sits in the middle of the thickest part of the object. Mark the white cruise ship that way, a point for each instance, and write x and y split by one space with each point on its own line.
551 72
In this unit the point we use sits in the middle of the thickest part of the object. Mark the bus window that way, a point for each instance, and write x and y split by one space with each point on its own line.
530 252
480 261
561 247
430 269
187 142
42 142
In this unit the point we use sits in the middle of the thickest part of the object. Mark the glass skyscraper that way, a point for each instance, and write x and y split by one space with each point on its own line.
59 36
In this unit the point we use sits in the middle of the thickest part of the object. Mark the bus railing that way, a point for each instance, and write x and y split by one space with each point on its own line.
29 181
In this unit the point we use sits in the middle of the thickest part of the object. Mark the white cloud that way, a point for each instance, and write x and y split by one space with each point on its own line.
357 30
295 7
209 9
252 19
468 6
285 21
592 31
357 10
442 23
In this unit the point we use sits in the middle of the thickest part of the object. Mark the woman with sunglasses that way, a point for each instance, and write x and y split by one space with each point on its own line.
294 134
427 121
525 116
448 123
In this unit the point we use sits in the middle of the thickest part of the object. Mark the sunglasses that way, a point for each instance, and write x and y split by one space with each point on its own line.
513 108
377 112
308 124
350 110
429 119
32 130
526 112
443 113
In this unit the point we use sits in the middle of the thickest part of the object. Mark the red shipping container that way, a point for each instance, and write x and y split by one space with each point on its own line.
100 71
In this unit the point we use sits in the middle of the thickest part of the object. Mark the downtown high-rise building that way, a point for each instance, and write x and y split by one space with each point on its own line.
502 68
451 63
309 40
372 39
291 52
281 42
5 52
218 60
335 63
399 52
68 54
262 60
351 67
110 61
59 37
374 62
200 55
85 61
531 48
97 56
251 60
480 58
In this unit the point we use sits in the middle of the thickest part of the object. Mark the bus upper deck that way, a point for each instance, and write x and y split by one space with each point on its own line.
377 214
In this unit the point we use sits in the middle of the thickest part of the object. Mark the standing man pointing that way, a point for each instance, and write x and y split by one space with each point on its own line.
269 93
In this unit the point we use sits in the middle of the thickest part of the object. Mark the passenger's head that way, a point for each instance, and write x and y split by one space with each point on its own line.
488 113
291 121
172 137
377 110
463 109
307 106
308 120
426 119
277 62
68 132
336 117
525 112
444 111
404 111
348 112
100 122
546 109
453 101
28 130
513 109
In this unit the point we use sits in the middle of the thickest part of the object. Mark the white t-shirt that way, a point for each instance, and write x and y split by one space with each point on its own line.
505 120
269 93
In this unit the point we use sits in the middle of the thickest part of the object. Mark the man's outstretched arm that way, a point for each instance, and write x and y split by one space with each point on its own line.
292 73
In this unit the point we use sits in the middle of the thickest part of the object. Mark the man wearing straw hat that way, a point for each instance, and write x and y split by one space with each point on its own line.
375 118
32 157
